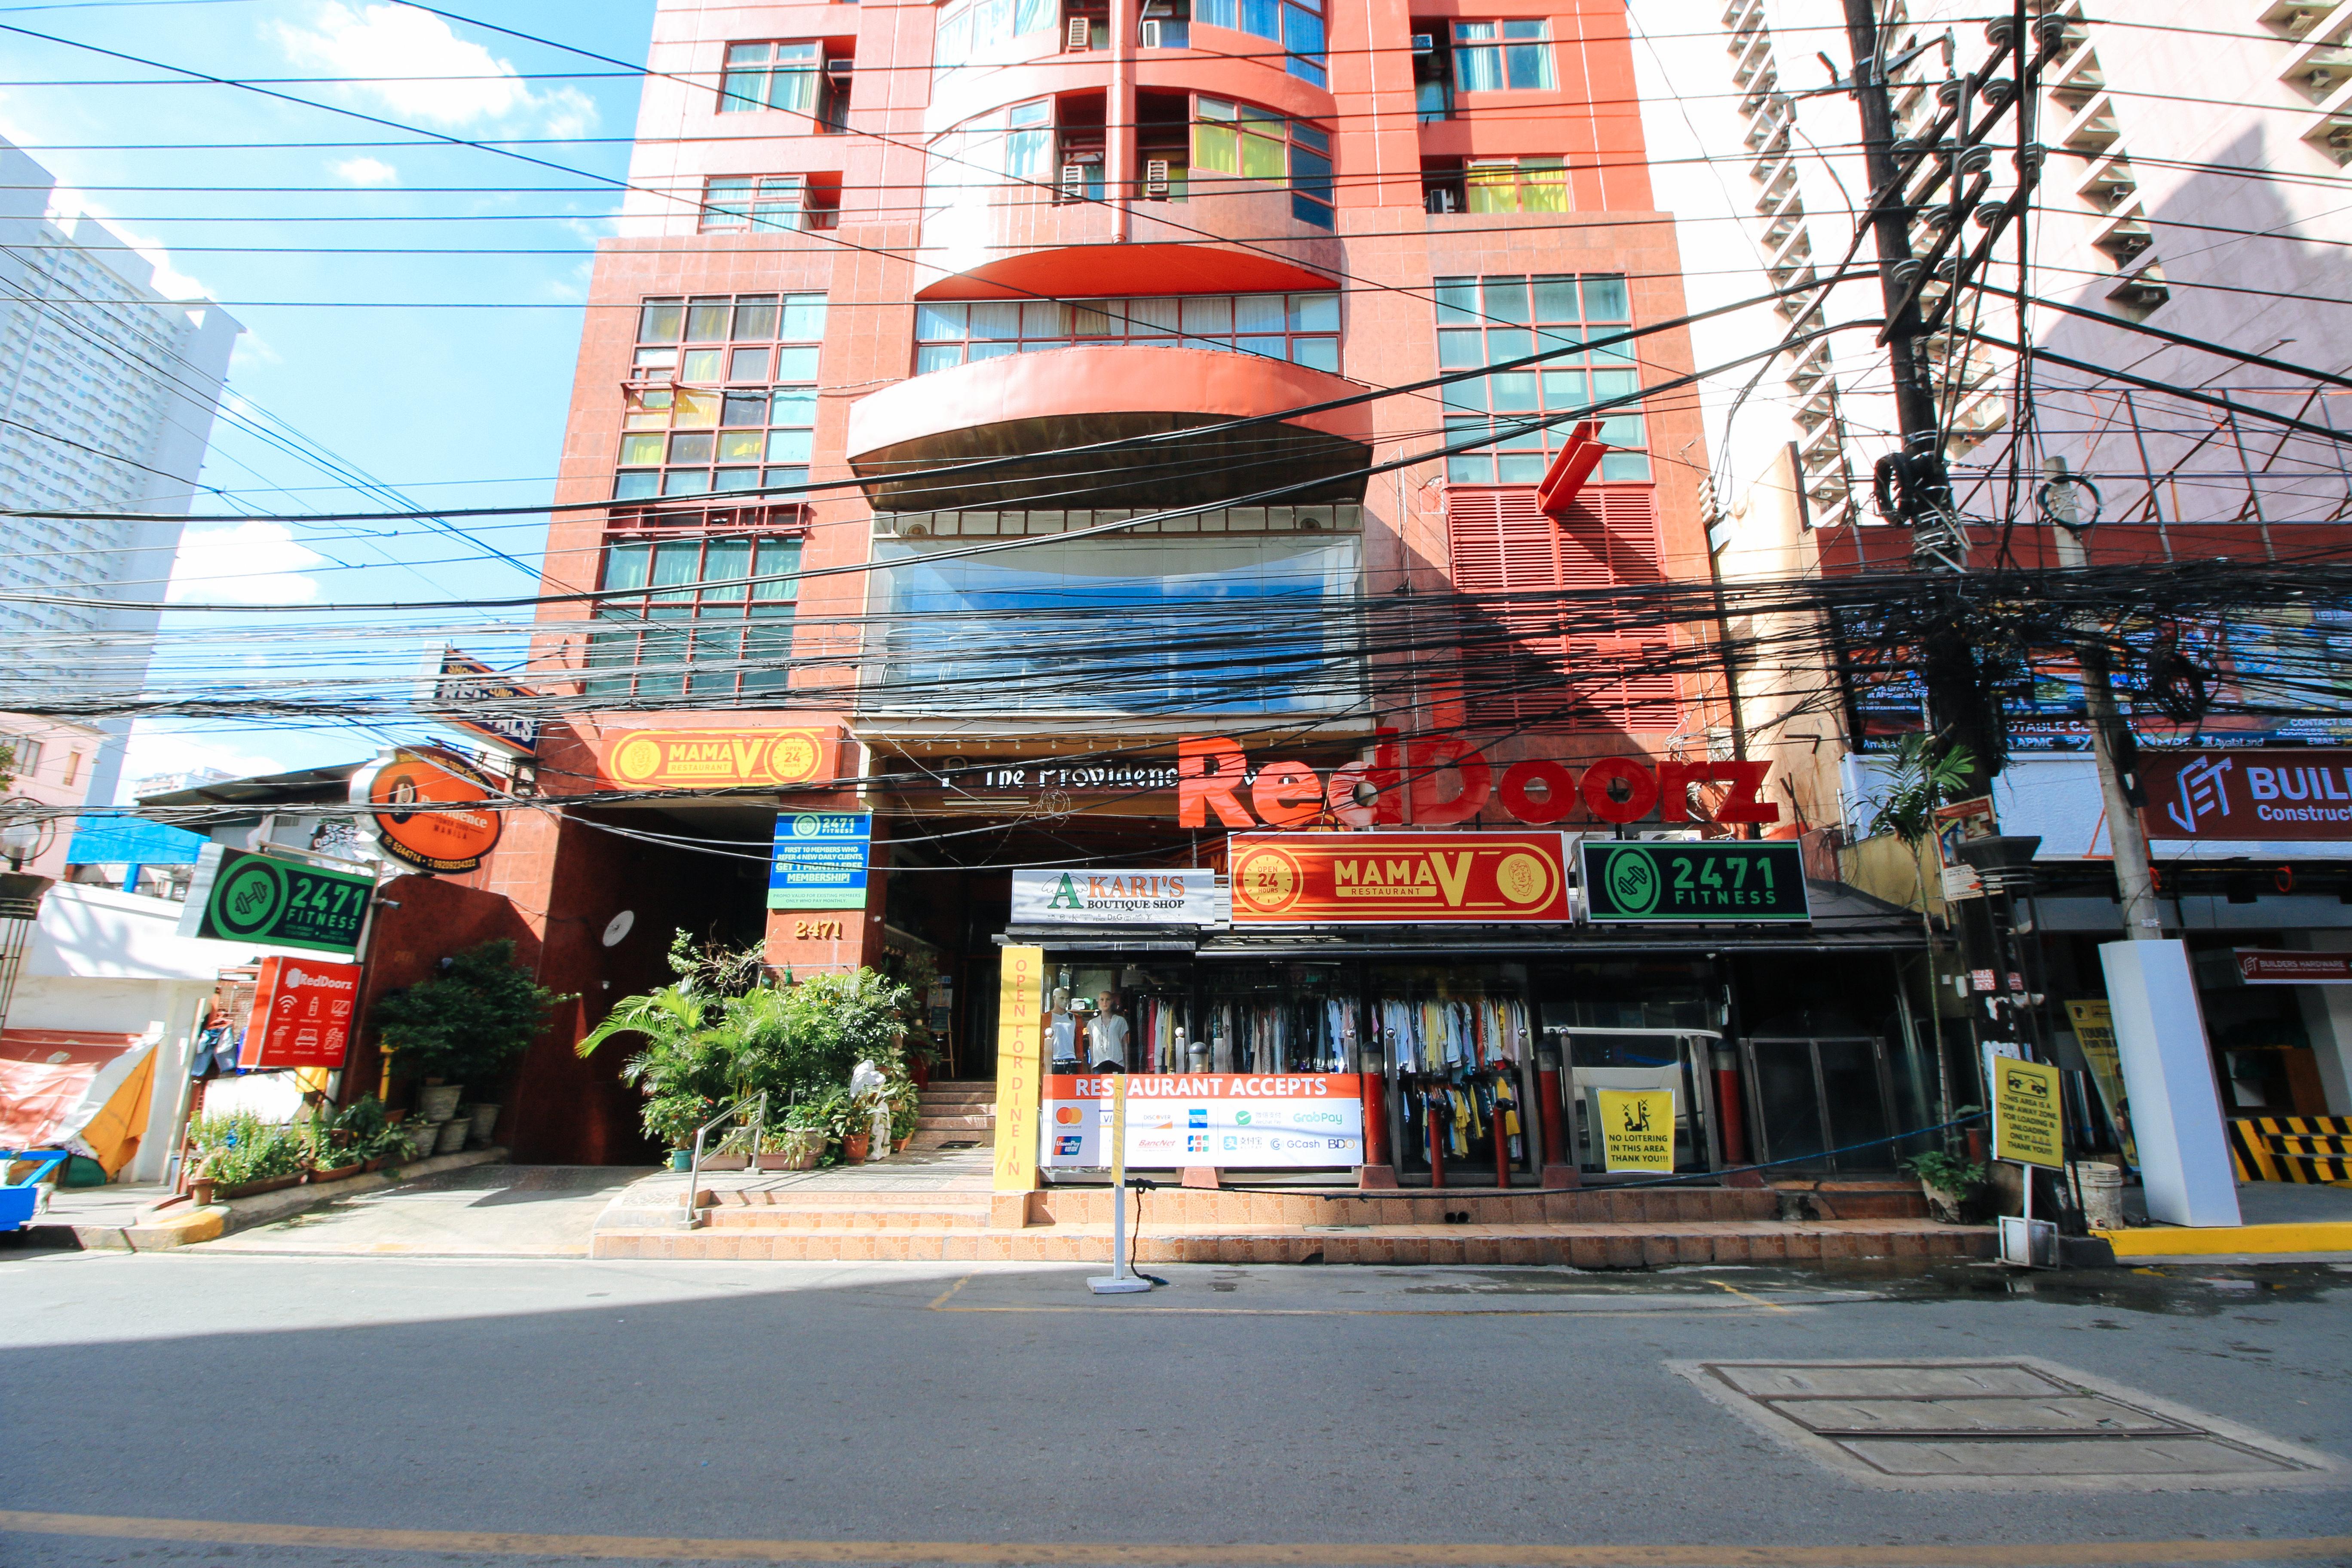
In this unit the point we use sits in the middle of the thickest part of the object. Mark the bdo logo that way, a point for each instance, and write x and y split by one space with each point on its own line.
1632 879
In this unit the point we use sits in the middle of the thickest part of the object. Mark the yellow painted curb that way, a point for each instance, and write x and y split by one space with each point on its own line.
2180 1241
178 1230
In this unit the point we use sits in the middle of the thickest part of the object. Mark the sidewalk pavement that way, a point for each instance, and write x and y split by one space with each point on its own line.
2283 1222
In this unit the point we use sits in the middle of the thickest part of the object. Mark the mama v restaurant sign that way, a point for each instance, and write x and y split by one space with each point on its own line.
717 759
1382 878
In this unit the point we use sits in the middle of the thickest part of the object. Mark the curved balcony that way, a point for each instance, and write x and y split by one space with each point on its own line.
1044 402
1003 241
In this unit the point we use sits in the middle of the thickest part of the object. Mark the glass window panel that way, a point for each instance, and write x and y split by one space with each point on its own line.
938 356
1617 353
1513 391
1311 172
1491 188
1625 430
1150 318
1530 66
695 410
1555 299
1543 187
1040 345
742 445
1457 301
996 320
724 559
1607 384
676 561
747 364
661 659
1604 300
1470 468
1520 438
656 359
1216 13
796 364
736 480
1310 209
778 555
647 411
727 203
978 351
1315 353
1036 112
1208 313
1536 29
640 451
793 87
938 323
706 320
768 650
1033 15
1307 135
777 478
745 408
1468 395
1625 468
992 21
685 481
755 318
803 318
789 446
1098 320
1259 313
624 566
1040 318
739 91
749 54
793 406
1216 108
636 486
1478 70
1213 150
1262 158
1506 299
1563 389
1520 468
1262 18
1314 313
1503 344
1468 30
690 446
1271 348
1460 349
699 365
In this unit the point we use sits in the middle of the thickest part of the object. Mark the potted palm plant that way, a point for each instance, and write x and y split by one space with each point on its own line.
686 1068
465 1023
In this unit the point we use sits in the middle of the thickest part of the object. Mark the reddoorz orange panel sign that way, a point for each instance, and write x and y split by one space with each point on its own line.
1366 879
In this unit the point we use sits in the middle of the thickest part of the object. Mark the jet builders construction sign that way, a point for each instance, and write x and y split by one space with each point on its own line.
1179 1120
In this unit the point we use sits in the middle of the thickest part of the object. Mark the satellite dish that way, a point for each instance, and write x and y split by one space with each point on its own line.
618 927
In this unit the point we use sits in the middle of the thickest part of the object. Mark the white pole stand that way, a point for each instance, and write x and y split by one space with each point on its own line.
1121 1282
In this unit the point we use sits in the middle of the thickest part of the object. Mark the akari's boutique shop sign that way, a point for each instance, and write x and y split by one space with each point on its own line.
1174 1120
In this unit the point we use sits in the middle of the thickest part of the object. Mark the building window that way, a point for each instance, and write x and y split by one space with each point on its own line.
1256 144
1496 56
1295 24
781 75
972 31
23 755
1301 328
1492 320
714 617
1166 25
1515 185
73 766
784 201
722 396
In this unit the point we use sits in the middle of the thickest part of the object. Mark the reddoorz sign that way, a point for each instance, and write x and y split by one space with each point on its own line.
1438 783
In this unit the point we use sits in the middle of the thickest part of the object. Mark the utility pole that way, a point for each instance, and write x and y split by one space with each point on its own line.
2111 741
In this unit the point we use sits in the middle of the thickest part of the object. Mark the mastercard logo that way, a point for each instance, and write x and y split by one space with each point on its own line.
1067 1115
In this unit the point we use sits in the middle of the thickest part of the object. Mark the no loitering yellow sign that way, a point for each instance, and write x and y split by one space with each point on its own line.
2027 1123
1637 1129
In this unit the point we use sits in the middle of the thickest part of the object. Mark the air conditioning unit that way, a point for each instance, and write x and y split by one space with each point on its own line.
1424 43
1440 200
839 70
1146 33
1155 177
1074 181
1080 34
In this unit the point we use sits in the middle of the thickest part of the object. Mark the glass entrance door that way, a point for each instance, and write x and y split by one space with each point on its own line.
1813 1095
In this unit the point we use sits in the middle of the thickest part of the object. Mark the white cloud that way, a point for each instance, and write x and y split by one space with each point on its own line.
365 172
153 751
244 564
411 63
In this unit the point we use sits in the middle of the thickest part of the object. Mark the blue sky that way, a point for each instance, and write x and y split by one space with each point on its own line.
417 358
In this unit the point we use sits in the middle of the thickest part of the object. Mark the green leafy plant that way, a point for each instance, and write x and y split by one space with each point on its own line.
687 1065
1920 777
714 969
1961 1178
238 1147
468 1022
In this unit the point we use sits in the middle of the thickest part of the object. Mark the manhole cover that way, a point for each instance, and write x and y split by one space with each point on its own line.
1997 1424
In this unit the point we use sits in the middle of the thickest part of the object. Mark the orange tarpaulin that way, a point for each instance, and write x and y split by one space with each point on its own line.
76 1087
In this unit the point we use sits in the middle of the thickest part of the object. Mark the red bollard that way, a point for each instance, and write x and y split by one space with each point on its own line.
1378 1171
1559 1170
1730 1117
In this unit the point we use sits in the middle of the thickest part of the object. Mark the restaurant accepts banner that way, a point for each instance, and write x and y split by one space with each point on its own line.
1383 879
1251 1120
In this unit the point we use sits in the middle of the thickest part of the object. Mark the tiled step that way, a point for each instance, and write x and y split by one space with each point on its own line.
929 1217
955 1138
926 1118
1184 1207
1576 1247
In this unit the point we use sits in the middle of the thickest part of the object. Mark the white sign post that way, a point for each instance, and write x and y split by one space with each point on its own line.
2176 1108
1121 1282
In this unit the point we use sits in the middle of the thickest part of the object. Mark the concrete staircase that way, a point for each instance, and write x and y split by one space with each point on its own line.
956 1116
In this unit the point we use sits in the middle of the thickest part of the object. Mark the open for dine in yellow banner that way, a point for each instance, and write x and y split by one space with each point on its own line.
1637 1129
1020 1064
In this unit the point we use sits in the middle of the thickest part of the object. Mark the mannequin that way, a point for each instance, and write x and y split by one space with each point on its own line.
1106 1035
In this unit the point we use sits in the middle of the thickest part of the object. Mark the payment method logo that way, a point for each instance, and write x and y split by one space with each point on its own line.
1196 1143
1067 1115
1232 1142
1069 1143
1196 1116
1317 1118
1241 1118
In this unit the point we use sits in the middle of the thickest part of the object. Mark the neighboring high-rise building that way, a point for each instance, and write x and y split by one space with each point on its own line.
2190 157
108 391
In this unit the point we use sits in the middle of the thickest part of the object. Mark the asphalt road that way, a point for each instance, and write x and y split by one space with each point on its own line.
299 1410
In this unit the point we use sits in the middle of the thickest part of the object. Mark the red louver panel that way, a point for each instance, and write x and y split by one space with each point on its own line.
1498 542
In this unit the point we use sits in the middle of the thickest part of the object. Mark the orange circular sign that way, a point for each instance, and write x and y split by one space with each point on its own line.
420 816
1267 879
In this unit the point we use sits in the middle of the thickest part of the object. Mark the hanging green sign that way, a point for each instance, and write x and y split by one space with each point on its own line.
241 897
1689 882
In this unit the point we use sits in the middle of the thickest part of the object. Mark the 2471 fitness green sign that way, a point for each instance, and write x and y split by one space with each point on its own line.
279 903
1692 883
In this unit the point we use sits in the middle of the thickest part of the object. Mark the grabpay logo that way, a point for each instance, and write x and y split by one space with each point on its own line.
1632 881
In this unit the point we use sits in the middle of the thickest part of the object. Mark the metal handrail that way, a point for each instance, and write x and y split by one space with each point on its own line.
694 1167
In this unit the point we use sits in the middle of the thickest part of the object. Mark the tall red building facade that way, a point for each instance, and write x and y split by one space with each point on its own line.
985 426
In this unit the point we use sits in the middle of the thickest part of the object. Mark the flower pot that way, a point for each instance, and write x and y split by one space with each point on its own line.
727 1161
1943 1204
854 1146
900 1146
265 1184
453 1137
439 1103
422 1136
339 1172
681 1159
376 1164
485 1123
796 1149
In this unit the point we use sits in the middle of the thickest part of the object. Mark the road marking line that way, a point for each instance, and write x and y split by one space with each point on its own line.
1750 1295
1153 1555
939 1302
1389 1311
